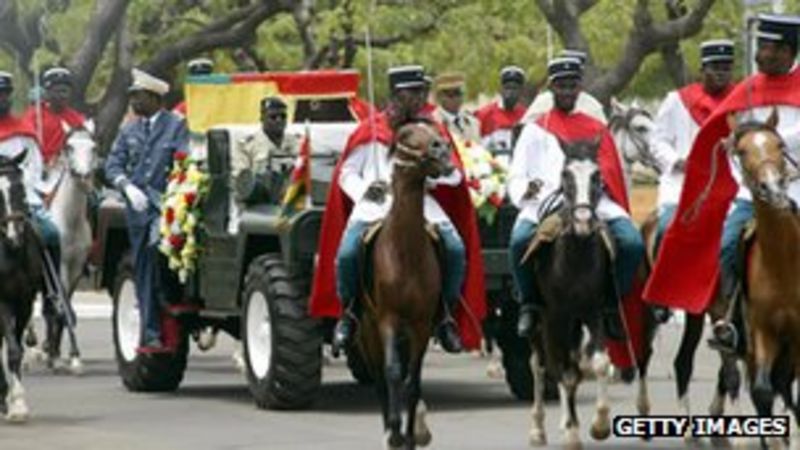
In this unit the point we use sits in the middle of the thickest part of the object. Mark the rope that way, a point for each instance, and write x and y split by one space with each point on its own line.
694 210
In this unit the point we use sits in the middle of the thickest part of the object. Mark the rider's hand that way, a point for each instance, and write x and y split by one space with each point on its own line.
376 192
679 166
534 186
136 198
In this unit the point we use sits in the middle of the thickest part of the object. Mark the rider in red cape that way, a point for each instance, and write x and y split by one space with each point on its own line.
14 126
687 270
499 118
456 203
568 125
699 103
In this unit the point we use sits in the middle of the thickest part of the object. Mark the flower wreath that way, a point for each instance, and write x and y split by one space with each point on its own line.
187 187
486 178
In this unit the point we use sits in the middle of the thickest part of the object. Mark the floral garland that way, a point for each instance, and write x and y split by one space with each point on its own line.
187 186
486 178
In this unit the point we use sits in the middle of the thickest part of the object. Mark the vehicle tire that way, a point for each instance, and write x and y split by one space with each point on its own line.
517 354
282 343
358 366
156 372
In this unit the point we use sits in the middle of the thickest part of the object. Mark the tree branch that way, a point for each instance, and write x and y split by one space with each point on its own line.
303 18
111 108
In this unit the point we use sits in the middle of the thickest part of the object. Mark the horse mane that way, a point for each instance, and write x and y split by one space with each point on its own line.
750 126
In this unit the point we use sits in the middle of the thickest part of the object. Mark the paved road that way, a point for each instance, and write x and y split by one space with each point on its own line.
213 410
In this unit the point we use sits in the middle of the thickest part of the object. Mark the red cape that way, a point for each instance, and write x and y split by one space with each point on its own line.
11 126
493 117
456 203
53 136
700 103
577 126
687 267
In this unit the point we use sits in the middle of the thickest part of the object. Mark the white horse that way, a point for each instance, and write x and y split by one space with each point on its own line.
71 181
632 128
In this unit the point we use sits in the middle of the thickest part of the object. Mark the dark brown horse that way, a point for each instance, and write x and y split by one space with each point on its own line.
21 275
402 304
573 274
772 309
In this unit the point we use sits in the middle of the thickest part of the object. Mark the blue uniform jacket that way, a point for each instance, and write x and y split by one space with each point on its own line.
146 161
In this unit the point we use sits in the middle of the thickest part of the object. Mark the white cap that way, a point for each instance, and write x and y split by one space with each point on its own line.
143 81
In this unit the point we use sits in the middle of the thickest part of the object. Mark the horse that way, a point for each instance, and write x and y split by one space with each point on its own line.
572 270
71 178
772 309
632 127
402 302
21 272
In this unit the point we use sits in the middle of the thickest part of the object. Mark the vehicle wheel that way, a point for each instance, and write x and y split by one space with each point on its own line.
517 354
358 366
156 372
282 344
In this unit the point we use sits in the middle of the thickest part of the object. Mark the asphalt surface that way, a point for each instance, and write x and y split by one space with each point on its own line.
213 410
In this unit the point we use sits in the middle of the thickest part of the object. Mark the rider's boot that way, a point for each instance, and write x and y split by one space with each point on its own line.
529 317
724 334
343 333
447 331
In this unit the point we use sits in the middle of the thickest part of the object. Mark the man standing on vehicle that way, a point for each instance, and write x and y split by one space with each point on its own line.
138 166
450 95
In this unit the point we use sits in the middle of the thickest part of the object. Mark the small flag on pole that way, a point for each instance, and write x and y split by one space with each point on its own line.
299 190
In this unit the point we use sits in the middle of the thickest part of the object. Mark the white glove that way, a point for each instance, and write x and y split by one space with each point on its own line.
136 197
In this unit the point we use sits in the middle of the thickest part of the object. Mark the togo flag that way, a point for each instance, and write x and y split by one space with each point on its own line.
298 191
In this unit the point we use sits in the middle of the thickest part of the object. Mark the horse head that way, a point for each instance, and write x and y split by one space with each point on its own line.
581 185
761 153
80 154
13 205
419 145
632 127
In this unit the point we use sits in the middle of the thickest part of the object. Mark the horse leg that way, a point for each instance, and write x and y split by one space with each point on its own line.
393 371
17 408
643 395
601 425
762 393
684 363
420 434
72 272
3 378
537 436
568 385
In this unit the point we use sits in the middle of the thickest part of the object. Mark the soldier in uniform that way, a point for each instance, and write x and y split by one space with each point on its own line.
261 161
138 165
499 118
450 94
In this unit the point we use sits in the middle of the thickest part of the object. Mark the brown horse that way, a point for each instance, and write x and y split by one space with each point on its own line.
407 282
772 310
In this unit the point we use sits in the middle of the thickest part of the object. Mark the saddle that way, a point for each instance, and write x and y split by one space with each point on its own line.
552 227
368 239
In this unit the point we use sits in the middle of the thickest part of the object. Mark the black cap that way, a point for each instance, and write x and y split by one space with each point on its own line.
775 28
512 74
405 77
580 55
272 102
716 50
200 66
55 76
6 81
564 68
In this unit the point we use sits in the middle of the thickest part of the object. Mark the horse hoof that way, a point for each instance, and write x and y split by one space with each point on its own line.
495 370
58 366
423 438
393 441
206 340
537 438
572 439
17 412
75 366
422 434
600 432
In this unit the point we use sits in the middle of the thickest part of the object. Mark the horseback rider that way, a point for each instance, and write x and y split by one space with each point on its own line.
459 122
705 239
17 136
499 118
535 175
56 113
678 122
138 165
251 170
362 180
586 103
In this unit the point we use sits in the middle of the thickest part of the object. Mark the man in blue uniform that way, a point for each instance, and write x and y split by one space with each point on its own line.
138 166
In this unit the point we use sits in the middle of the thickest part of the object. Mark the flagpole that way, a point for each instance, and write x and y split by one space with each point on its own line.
308 181
371 88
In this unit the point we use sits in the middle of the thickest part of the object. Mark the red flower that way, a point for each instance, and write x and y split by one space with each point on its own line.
495 199
190 198
170 216
181 155
176 241
182 177
474 183
467 144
